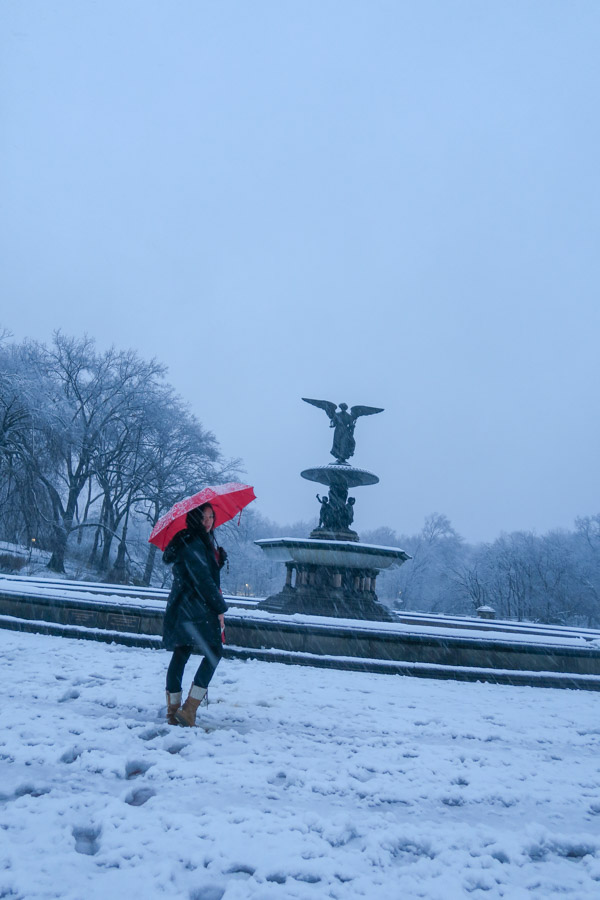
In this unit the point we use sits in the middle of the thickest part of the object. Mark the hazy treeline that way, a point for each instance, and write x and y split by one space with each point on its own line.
94 448
553 577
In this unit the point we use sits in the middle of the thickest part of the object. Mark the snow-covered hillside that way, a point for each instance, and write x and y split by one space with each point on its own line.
301 783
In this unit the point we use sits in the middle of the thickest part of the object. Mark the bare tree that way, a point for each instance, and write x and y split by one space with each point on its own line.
95 440
82 394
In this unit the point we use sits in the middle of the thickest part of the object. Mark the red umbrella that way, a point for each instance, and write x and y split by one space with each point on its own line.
226 499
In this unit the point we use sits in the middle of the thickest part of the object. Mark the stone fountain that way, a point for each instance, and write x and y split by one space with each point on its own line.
331 573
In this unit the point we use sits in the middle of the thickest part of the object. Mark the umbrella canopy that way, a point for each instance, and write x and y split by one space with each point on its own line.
226 499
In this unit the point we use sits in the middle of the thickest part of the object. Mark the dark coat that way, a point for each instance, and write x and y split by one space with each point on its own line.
195 601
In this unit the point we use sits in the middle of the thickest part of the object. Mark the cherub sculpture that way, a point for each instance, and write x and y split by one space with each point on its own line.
336 514
343 422
326 516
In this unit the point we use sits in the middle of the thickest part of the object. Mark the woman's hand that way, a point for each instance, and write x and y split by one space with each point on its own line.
222 620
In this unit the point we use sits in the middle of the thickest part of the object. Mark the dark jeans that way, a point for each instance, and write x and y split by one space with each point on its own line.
205 672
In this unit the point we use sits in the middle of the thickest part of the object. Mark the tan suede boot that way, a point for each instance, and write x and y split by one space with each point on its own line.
186 716
173 704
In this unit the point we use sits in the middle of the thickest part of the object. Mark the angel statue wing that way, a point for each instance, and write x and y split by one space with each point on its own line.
327 405
357 411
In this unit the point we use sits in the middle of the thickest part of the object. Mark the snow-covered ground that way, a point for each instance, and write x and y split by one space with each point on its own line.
31 552
300 783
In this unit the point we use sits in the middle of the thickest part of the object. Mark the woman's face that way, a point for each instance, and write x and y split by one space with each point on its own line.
208 518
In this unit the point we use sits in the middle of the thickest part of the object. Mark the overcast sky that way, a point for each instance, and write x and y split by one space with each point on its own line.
385 203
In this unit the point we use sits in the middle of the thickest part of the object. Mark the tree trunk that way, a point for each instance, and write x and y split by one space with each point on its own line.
94 553
119 574
149 568
85 511
59 546
109 522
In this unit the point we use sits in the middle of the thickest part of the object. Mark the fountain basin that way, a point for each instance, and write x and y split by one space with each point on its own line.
334 474
347 554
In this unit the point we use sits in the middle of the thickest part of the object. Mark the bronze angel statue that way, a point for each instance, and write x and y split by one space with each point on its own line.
343 422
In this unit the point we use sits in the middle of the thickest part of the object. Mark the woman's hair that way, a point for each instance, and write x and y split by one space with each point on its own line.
194 527
194 519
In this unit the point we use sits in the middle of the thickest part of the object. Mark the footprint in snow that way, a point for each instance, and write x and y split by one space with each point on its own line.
109 703
136 767
568 849
31 790
453 800
139 796
71 694
241 871
150 733
70 755
280 778
87 840
177 747
209 892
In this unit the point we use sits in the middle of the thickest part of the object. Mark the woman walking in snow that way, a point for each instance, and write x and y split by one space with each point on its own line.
194 618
